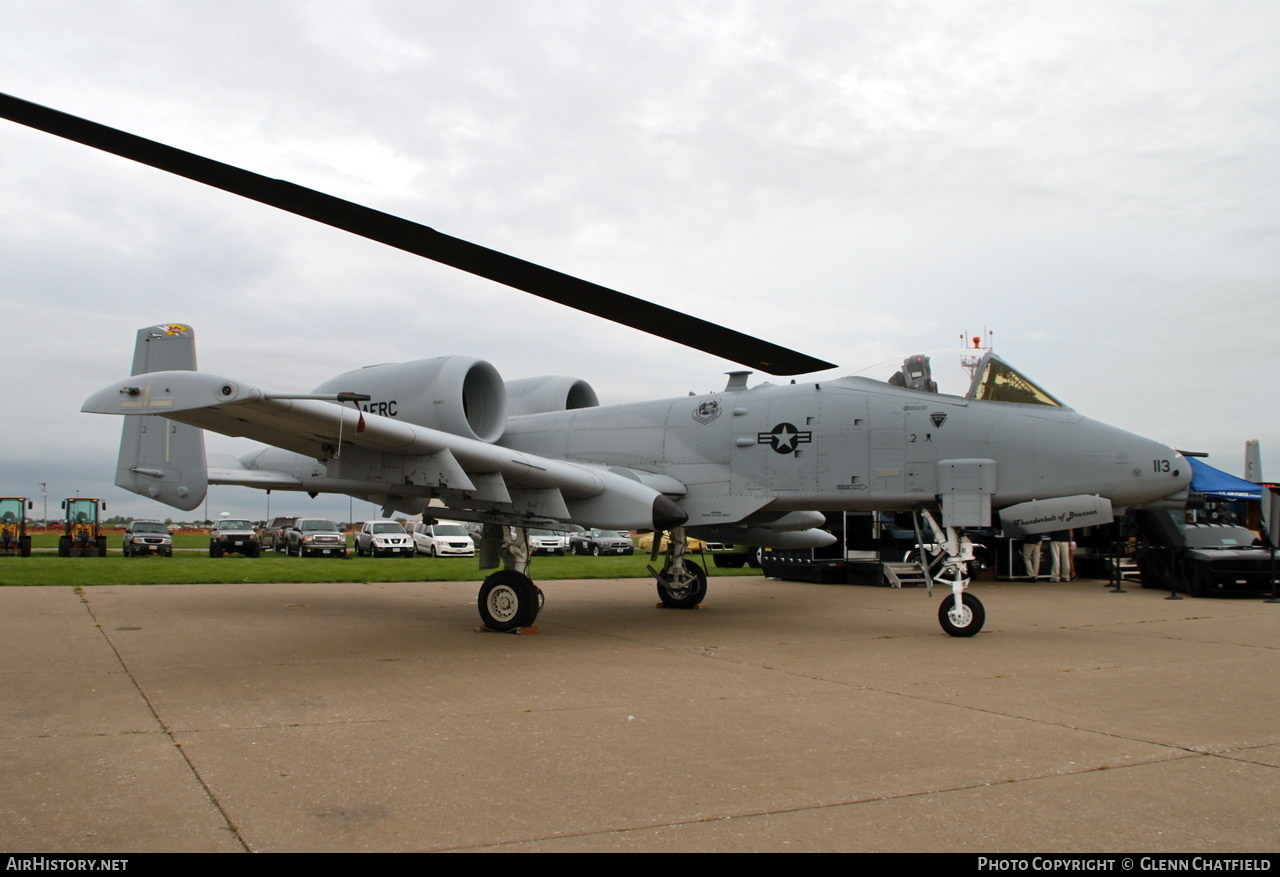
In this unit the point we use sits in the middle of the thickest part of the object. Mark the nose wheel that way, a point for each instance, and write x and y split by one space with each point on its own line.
963 620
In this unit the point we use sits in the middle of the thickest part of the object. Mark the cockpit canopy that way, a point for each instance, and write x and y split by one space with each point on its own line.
971 374
997 381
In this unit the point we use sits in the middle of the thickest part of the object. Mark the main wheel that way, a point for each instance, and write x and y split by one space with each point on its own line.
685 591
595 550
1198 583
508 600
967 620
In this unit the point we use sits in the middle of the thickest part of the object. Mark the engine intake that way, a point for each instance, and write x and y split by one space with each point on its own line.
456 394
549 393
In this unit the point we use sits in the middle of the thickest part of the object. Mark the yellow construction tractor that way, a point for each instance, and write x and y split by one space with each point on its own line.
13 526
82 538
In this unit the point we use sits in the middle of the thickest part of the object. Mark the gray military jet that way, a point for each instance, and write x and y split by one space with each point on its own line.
751 465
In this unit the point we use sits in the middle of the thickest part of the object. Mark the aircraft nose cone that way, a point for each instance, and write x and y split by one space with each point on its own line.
1165 477
1181 474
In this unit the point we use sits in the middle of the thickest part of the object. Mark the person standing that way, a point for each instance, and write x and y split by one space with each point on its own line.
1060 567
1031 556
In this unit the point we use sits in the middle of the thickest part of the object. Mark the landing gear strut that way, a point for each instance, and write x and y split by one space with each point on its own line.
508 599
682 584
961 613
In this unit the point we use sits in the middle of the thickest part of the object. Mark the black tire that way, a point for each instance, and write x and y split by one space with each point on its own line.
214 552
24 546
1198 583
755 557
508 600
973 619
595 550
728 561
688 593
64 546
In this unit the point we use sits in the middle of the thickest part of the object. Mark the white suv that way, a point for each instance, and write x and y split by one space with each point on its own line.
383 537
547 541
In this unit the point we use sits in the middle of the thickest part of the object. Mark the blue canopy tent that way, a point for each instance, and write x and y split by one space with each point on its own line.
1215 484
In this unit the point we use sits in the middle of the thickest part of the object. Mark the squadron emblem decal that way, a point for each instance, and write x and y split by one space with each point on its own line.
707 411
938 418
783 438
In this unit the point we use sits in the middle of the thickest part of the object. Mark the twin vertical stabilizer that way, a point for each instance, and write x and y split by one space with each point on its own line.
163 459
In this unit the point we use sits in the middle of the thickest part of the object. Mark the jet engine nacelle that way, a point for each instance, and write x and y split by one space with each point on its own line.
549 393
461 395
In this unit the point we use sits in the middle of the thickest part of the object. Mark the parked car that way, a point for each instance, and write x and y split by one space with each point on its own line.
275 535
726 555
1212 559
547 541
146 537
384 537
443 539
316 536
232 535
598 542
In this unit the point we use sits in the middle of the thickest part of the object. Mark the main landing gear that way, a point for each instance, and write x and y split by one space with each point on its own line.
682 584
508 599
960 613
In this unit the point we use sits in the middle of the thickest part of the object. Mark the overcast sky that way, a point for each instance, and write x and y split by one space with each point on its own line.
1095 182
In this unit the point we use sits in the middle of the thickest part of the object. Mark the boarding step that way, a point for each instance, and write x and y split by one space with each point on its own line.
904 575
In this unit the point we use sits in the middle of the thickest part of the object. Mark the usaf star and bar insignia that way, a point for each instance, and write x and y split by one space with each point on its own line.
784 438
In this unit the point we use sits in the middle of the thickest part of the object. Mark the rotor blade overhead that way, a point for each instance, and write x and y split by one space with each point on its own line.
423 241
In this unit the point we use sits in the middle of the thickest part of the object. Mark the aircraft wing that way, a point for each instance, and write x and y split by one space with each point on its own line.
351 446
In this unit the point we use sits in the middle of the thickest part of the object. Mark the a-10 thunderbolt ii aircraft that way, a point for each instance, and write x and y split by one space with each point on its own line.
750 465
